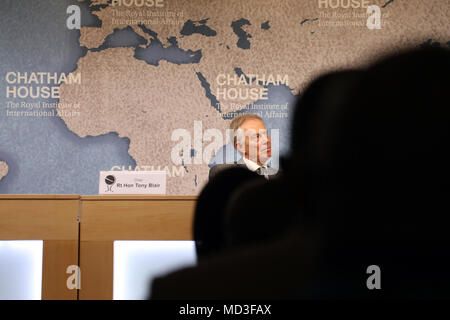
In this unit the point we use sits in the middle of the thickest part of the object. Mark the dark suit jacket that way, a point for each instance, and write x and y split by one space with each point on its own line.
219 167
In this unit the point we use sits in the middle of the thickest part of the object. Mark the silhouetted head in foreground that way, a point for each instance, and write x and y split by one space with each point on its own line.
262 212
317 107
209 212
381 185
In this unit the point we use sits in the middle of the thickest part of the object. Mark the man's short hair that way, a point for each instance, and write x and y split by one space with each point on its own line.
237 122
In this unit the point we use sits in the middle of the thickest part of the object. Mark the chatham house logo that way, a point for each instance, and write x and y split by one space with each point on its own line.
110 180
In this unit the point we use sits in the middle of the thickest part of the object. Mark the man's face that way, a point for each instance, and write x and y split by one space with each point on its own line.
257 145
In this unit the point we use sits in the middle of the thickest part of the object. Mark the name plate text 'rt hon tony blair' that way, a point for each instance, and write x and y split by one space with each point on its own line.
132 182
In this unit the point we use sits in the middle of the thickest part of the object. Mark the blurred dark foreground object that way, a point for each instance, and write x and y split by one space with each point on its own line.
375 190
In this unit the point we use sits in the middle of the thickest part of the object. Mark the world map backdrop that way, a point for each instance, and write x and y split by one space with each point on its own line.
109 93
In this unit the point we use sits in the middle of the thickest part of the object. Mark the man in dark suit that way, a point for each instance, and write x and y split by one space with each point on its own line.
253 144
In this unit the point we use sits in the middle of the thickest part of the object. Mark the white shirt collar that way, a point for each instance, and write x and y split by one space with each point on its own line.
251 165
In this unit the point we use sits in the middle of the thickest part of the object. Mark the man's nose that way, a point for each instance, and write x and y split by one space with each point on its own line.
264 139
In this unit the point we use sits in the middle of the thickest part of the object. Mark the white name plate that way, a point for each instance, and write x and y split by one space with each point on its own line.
132 182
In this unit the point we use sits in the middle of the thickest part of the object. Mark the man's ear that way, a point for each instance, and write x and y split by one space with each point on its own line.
239 147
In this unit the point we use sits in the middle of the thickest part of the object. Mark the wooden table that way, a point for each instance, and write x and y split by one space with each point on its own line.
81 230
